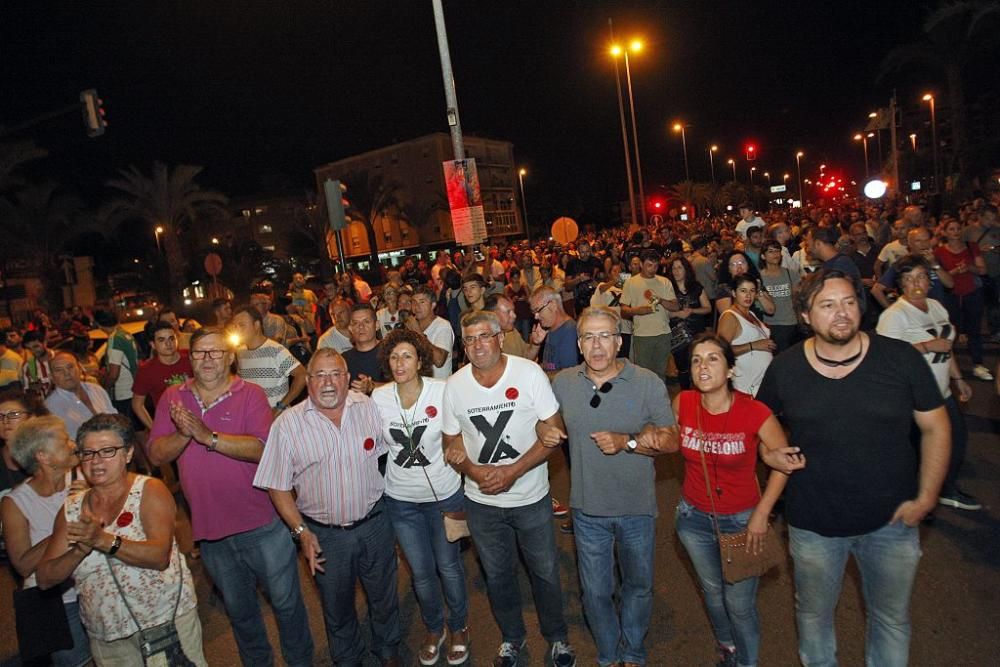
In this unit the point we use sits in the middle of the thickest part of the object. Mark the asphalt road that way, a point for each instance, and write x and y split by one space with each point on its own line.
954 605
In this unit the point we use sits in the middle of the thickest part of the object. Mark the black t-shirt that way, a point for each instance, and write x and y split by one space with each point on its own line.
366 363
854 433
585 289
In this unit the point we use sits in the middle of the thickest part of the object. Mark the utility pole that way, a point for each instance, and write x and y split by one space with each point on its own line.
895 146
451 98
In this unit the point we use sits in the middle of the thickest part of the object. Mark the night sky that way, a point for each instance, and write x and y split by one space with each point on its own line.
260 93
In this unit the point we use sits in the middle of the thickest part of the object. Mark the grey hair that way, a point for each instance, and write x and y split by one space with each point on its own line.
599 311
35 435
475 317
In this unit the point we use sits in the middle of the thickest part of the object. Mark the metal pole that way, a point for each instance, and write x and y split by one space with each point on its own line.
934 141
895 147
621 115
684 144
449 82
864 142
798 170
711 165
524 205
733 163
635 140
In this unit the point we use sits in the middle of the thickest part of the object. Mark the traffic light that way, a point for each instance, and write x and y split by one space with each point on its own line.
656 205
93 113
336 203
751 152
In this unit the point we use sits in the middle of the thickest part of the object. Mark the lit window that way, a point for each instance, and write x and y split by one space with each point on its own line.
266 229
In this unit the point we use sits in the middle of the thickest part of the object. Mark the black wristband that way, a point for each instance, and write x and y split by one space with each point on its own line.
115 545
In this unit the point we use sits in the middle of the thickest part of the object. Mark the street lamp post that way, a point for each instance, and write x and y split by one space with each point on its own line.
521 173
157 232
767 175
679 127
798 170
864 142
711 160
732 163
930 98
616 51
913 142
635 46
752 170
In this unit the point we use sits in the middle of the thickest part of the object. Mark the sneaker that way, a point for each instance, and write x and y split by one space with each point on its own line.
562 655
558 509
508 654
566 527
726 656
982 373
960 501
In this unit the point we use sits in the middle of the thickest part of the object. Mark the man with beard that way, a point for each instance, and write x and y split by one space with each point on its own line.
849 399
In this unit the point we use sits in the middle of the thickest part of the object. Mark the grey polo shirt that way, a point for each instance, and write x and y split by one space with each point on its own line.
624 483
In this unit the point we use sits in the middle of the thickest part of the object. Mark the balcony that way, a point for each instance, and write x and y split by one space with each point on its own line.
502 223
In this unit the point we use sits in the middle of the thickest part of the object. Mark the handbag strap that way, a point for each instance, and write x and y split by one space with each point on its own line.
177 602
409 437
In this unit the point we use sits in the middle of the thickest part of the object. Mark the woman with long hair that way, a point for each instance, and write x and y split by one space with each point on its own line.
779 282
750 338
419 488
721 432
732 265
691 319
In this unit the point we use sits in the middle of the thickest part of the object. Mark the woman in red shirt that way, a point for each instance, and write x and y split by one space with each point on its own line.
721 432
965 300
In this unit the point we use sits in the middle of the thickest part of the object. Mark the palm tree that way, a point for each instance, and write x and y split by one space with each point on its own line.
370 197
39 223
12 156
689 192
954 35
167 199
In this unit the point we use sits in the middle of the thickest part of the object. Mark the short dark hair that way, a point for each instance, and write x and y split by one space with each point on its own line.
120 425
827 235
650 255
719 342
358 307
220 302
105 318
33 336
205 332
907 264
425 353
473 277
30 400
251 312
160 325
427 291
813 283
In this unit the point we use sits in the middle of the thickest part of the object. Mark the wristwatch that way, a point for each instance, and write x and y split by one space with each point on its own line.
297 531
116 544
281 405
631 443
215 442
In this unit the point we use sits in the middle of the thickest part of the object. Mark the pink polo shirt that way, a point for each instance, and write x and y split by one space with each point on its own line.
219 489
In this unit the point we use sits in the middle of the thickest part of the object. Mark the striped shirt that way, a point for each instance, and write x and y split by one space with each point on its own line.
334 471
268 366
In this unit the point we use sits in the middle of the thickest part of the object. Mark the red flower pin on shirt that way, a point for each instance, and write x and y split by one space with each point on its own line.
369 444
648 294
431 411
124 519
512 394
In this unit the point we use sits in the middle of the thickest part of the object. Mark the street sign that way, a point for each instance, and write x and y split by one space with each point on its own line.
778 188
213 264
565 230
656 219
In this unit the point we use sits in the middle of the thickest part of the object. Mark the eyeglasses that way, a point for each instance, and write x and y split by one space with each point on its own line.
13 415
481 338
323 376
535 311
603 336
605 388
211 354
103 452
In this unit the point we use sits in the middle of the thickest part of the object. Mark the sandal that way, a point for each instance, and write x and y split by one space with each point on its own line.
430 651
458 647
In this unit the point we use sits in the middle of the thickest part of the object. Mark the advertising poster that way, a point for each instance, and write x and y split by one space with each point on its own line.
465 201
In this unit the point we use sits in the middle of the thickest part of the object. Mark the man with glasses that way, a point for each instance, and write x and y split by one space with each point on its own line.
556 328
437 330
491 409
616 413
215 426
326 449
73 400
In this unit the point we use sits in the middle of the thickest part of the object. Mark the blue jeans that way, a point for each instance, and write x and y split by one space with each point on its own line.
368 553
596 540
80 653
498 532
887 559
264 556
420 530
732 608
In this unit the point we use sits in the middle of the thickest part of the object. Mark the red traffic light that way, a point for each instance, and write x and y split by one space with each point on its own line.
751 152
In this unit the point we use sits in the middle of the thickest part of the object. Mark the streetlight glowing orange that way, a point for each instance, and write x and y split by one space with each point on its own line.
927 97
678 127
615 50
635 45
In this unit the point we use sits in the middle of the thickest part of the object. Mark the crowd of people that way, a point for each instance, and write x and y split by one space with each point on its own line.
424 411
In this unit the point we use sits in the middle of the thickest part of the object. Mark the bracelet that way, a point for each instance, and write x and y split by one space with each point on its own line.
297 531
751 345
215 442
116 544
